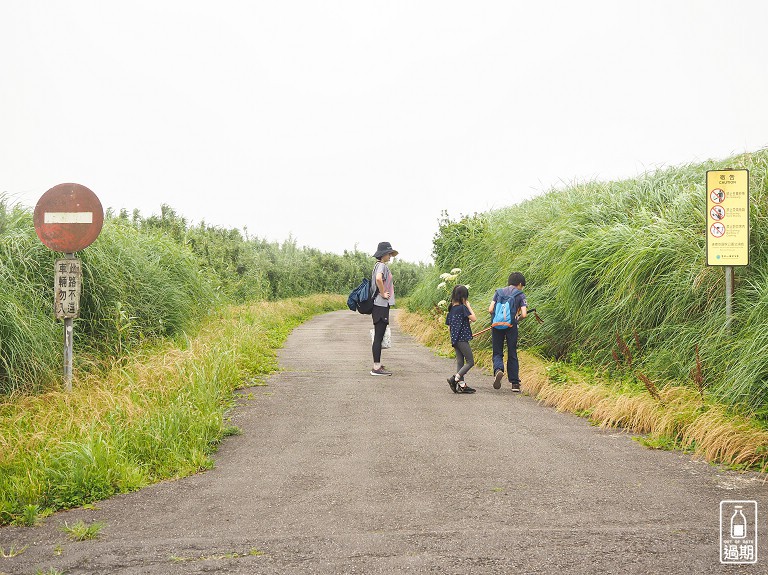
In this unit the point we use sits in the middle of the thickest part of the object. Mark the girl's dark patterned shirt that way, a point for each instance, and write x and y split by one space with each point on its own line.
458 320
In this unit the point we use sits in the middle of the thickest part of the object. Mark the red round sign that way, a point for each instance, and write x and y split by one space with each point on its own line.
68 218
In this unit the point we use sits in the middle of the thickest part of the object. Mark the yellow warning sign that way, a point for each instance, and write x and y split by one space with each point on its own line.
728 217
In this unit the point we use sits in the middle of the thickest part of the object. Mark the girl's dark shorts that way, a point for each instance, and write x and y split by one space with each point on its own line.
380 313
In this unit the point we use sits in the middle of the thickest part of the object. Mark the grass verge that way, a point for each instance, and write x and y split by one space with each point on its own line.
157 415
675 417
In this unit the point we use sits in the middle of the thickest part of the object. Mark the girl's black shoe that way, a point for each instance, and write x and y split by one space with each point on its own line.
452 383
464 388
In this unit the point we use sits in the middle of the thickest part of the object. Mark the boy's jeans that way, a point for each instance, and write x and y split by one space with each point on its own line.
513 367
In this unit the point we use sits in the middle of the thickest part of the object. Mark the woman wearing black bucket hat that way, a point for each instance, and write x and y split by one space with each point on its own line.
381 278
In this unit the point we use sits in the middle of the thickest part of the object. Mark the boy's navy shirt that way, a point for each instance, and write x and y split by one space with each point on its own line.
520 298
457 320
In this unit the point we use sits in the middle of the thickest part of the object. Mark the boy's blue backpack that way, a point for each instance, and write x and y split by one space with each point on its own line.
361 299
506 309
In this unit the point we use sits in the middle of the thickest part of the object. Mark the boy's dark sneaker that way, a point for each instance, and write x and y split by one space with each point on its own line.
380 371
516 386
452 383
464 389
497 379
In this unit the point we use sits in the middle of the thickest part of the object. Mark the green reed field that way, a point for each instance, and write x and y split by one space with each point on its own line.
146 279
618 272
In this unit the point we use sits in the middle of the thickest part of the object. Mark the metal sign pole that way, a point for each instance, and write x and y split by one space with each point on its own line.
68 353
68 329
728 295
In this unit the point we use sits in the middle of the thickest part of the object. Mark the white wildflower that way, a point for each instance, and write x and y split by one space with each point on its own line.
456 271
441 285
442 303
450 278
444 275
467 286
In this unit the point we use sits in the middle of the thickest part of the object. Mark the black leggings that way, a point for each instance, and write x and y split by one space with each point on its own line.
380 322
378 336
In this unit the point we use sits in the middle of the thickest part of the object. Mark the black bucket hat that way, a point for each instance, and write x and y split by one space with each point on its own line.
384 249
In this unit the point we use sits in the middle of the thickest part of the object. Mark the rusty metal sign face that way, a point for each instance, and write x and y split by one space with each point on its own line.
68 218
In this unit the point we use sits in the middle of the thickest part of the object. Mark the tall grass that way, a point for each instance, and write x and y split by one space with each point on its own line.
625 260
157 415
147 278
140 285
137 286
30 343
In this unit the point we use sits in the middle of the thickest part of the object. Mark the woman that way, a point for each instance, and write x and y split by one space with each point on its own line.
381 277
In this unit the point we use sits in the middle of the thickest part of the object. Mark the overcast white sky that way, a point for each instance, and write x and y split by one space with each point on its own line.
352 122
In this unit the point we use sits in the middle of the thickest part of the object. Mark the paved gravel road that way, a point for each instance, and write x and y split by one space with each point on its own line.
340 472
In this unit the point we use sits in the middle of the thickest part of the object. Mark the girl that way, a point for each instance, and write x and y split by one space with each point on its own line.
459 315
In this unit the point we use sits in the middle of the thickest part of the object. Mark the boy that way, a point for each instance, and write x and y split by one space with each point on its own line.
519 308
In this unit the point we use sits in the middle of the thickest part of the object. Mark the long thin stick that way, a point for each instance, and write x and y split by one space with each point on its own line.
533 311
483 330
